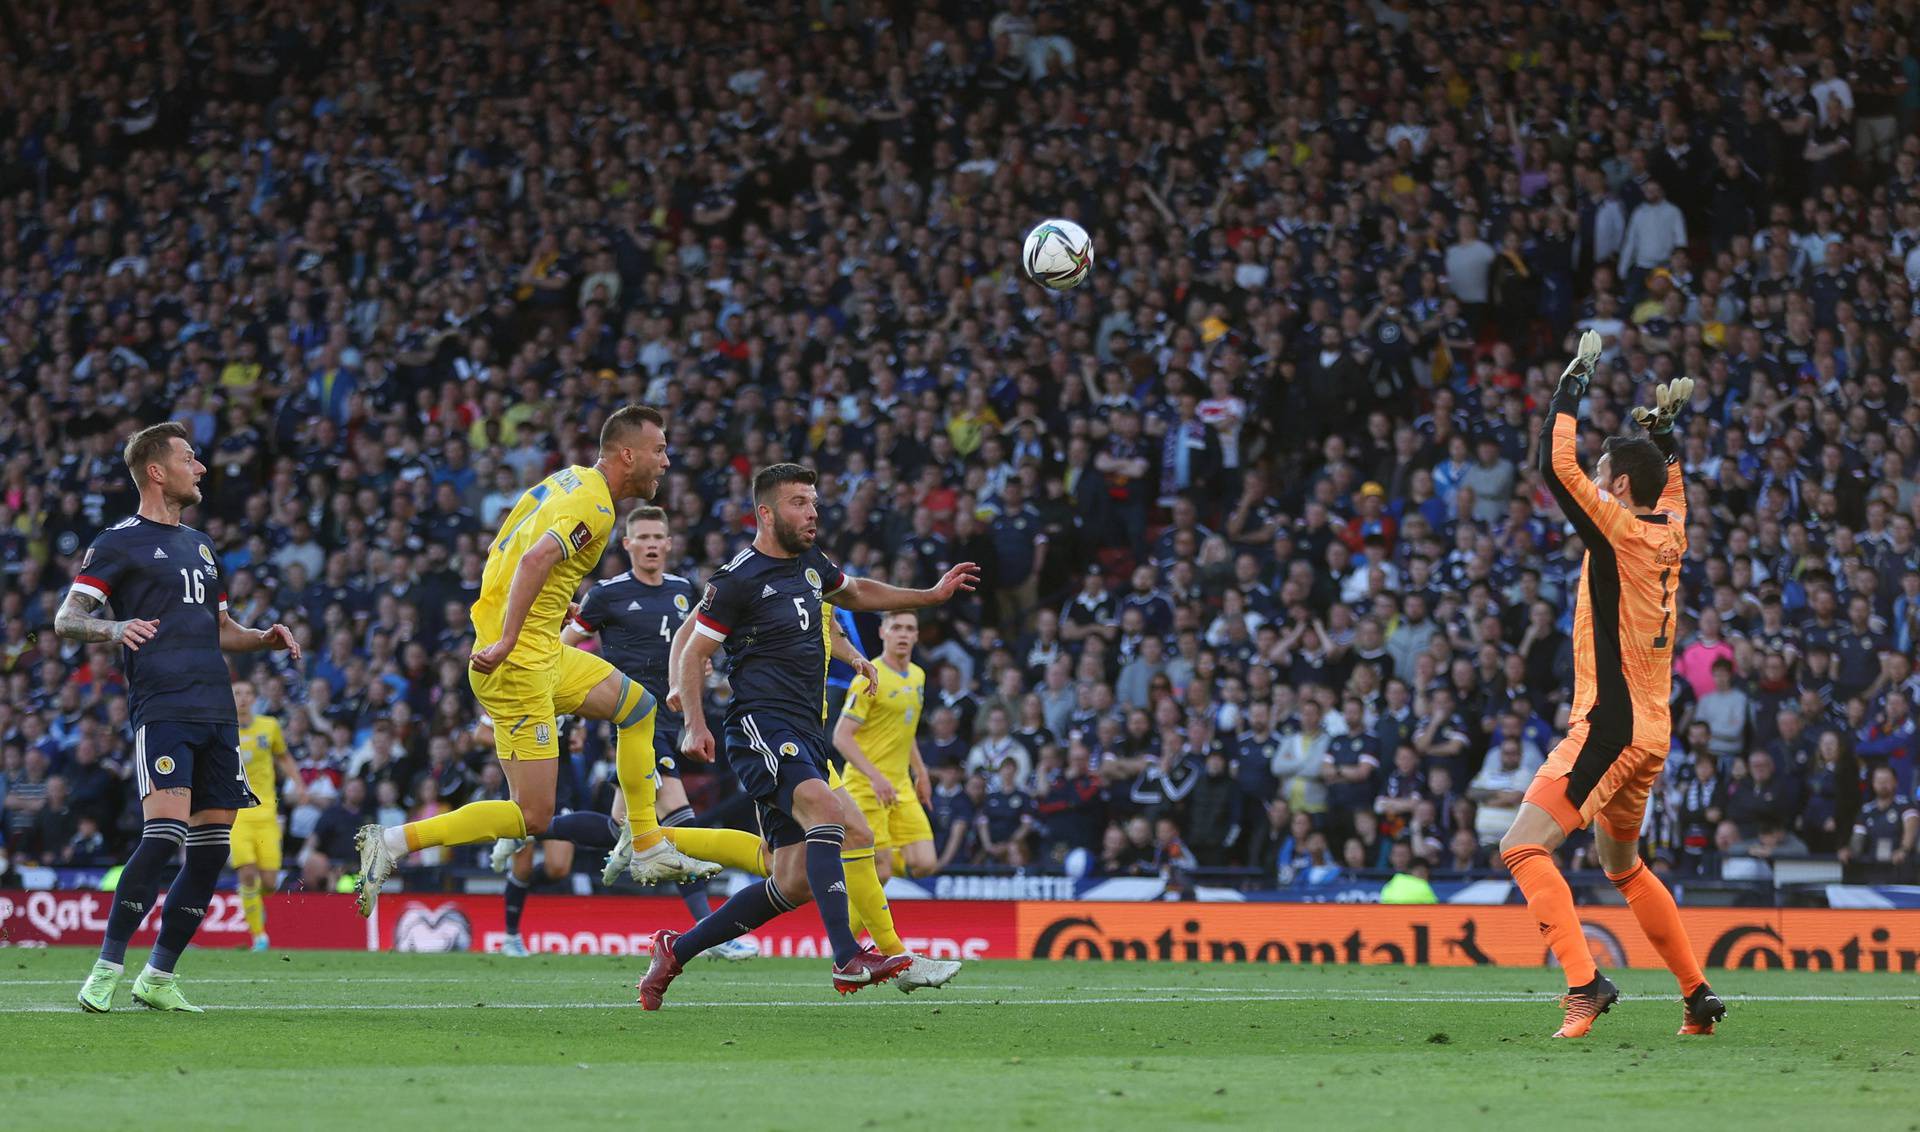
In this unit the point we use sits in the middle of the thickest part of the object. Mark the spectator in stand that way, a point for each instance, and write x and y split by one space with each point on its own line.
1497 790
329 851
1004 823
956 801
1726 711
1761 796
1884 835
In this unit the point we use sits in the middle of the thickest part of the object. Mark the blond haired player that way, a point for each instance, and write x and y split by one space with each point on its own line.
875 735
524 679
256 832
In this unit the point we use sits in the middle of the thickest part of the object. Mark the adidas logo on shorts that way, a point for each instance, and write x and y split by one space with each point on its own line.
767 591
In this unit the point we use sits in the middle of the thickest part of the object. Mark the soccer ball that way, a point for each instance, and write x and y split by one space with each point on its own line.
1058 255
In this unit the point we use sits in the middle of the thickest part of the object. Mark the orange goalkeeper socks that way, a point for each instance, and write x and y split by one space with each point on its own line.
1551 902
1659 919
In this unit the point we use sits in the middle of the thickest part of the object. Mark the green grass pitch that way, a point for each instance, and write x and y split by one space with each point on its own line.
352 1040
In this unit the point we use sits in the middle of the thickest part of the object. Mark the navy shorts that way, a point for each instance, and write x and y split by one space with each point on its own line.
203 757
772 757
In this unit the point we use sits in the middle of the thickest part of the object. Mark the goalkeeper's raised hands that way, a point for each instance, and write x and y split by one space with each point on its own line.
1579 371
1667 401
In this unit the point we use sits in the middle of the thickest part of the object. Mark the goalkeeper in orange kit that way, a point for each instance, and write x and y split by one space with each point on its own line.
1632 518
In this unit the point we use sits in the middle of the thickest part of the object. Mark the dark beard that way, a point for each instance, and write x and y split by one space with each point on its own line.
790 539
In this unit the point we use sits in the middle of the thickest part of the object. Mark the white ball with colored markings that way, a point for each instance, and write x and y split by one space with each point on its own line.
1058 255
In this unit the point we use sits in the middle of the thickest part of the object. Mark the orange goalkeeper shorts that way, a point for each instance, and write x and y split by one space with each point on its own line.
1587 779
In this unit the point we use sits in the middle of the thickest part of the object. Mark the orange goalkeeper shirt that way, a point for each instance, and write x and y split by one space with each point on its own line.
1623 615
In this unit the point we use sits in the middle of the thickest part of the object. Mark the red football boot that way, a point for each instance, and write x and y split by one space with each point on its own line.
869 968
662 971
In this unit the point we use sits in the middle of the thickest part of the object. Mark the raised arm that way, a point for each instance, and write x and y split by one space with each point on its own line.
868 595
1658 421
1594 514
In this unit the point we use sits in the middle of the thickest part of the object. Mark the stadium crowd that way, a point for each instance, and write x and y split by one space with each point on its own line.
1272 579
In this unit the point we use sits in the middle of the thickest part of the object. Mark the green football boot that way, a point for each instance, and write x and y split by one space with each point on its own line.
96 994
161 992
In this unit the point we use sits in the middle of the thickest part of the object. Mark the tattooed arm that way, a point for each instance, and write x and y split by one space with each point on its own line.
76 622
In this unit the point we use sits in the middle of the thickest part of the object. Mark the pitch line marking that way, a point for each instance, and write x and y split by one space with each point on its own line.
1092 1000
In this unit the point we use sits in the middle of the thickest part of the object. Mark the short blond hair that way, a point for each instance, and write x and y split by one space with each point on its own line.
150 445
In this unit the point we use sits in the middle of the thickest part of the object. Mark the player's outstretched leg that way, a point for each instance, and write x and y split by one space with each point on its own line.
722 846
132 896
208 847
749 908
505 849
1524 850
382 848
693 893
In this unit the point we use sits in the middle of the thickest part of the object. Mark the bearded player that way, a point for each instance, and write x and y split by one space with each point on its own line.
525 679
1632 518
765 606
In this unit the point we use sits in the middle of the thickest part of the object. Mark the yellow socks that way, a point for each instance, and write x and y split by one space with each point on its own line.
867 901
899 860
633 722
470 824
730 847
253 907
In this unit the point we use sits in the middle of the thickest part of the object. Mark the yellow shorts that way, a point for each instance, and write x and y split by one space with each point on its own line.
835 781
524 702
902 823
256 841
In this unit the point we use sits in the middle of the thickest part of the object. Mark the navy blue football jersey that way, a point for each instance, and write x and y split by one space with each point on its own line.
151 571
636 622
767 612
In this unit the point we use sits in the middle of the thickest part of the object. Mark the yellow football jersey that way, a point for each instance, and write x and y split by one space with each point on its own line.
886 723
261 744
574 507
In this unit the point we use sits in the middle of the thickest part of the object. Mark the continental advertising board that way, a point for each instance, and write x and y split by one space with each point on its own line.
1457 935
1814 939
